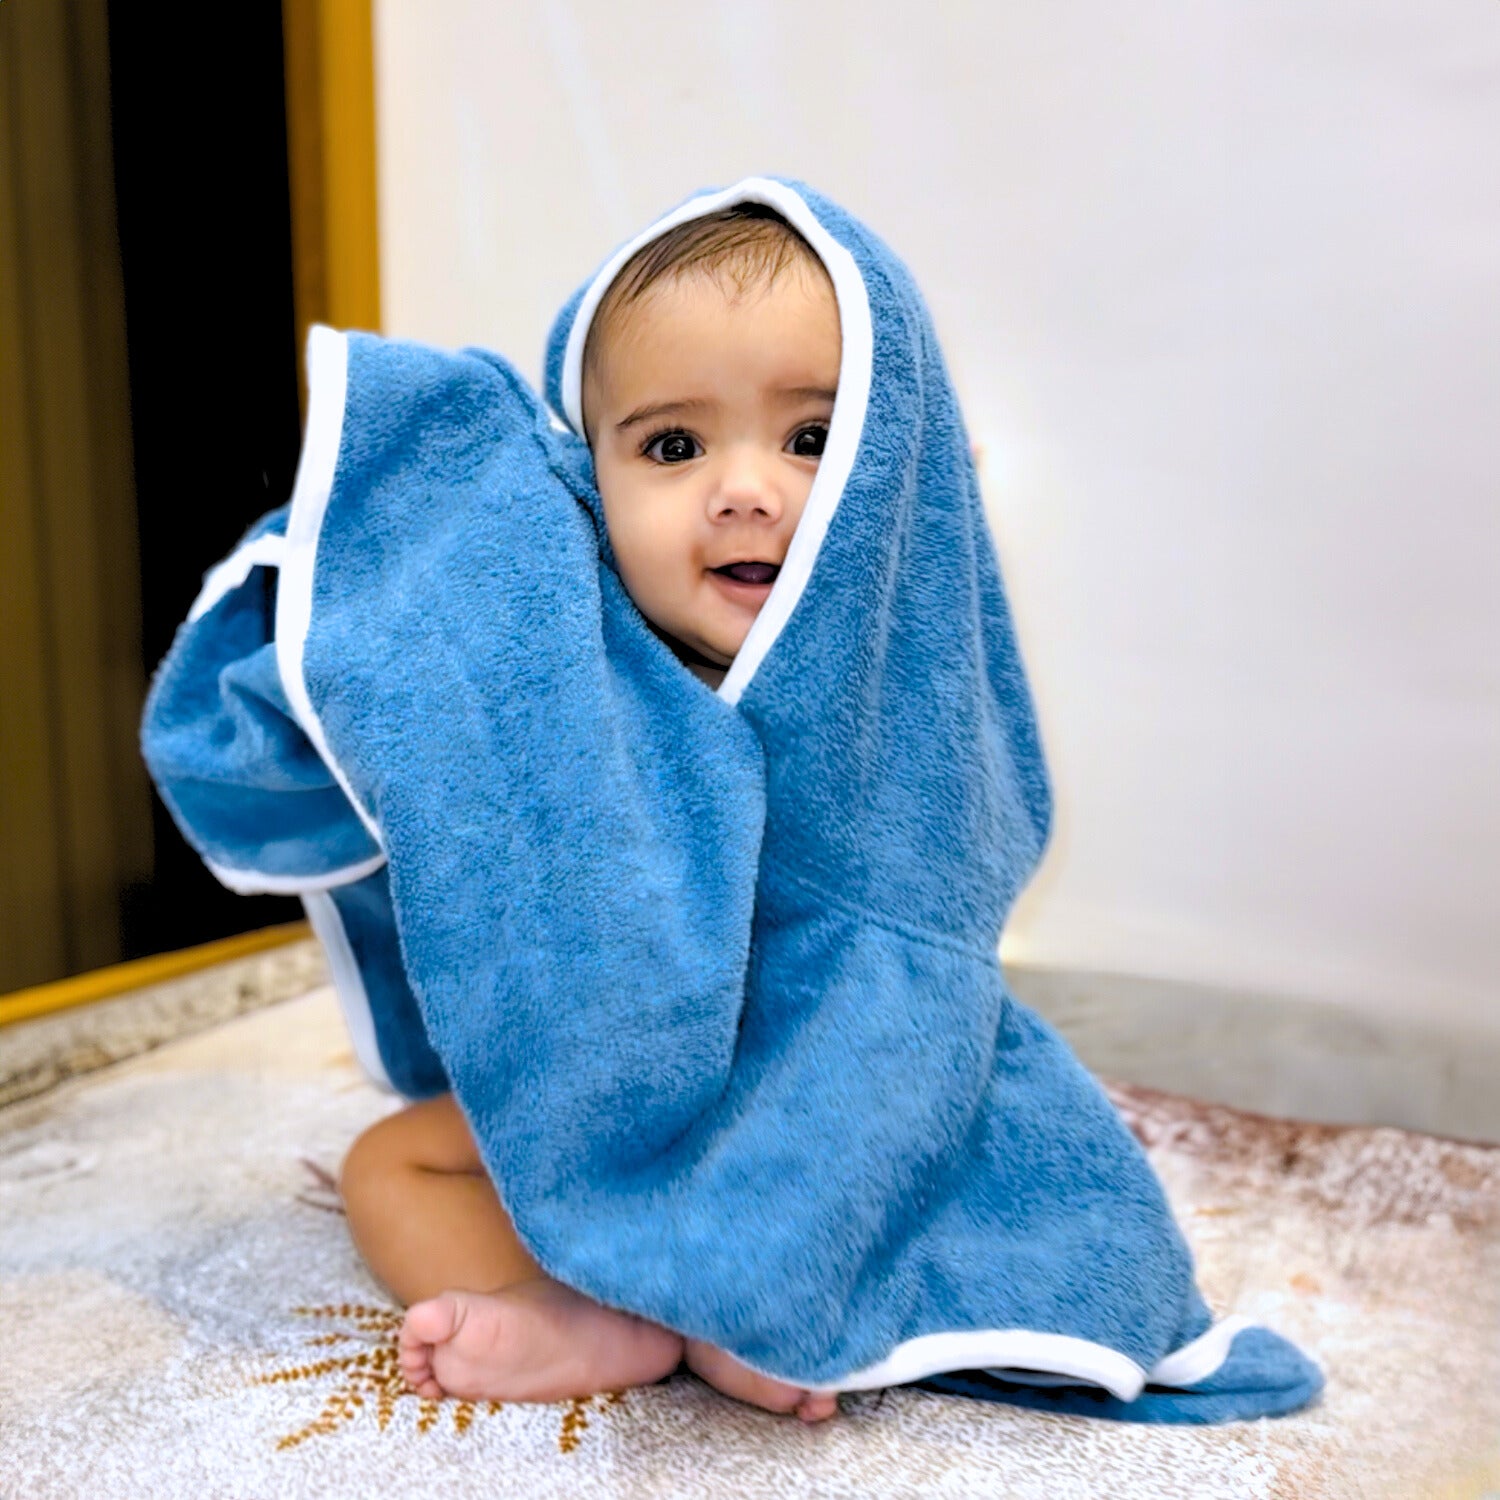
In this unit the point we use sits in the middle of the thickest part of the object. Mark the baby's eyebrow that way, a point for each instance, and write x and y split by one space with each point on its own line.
661 409
785 394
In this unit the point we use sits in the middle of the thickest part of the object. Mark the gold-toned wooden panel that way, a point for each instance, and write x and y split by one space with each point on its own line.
119 979
32 939
331 150
76 824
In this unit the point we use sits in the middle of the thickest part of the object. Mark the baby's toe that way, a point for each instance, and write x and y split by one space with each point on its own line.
432 1322
427 1388
818 1406
416 1365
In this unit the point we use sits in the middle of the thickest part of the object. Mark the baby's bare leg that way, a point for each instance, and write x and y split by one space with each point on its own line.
422 1211
427 1219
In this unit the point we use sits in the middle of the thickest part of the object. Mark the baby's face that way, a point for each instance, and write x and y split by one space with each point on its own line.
707 412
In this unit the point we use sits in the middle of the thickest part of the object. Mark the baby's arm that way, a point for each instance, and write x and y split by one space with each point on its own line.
423 1212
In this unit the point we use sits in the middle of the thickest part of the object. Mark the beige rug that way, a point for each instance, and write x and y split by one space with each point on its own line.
48 1051
184 1316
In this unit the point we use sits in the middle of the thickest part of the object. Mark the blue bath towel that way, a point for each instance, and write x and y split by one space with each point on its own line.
712 974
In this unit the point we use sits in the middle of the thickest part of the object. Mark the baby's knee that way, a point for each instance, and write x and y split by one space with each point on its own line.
428 1136
377 1154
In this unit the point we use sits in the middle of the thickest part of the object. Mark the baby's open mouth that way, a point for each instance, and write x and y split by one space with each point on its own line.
749 572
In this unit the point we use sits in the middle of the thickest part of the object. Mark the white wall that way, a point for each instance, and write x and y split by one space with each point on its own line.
1220 286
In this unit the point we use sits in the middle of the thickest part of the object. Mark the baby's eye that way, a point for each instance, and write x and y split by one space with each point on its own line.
672 447
807 442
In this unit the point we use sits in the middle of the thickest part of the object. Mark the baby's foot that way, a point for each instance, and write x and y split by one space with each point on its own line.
535 1341
727 1374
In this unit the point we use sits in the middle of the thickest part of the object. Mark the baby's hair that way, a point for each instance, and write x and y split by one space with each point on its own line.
749 243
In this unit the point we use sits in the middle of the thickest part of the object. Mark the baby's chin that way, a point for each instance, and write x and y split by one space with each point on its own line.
721 643
717 635
698 650
708 653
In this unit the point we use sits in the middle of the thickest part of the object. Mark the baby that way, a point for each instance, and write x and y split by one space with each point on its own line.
709 377
712 970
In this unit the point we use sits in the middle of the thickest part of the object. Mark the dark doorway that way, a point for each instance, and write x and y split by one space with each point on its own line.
201 180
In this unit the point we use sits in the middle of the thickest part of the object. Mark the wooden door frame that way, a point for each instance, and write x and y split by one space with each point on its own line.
329 49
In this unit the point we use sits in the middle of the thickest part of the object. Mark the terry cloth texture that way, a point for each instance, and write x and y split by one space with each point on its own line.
713 975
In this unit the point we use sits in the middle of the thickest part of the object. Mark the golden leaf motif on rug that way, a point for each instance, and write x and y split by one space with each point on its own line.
369 1378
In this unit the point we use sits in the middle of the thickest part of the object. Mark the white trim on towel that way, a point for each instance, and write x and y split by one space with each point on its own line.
264 551
348 984
1196 1361
1016 1349
849 408
327 393
258 883
1053 1358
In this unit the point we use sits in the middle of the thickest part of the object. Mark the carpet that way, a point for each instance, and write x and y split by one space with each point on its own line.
186 1317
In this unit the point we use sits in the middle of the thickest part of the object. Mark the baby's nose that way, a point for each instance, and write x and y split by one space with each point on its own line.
748 482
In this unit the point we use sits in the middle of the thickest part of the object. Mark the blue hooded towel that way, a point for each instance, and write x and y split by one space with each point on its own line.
712 974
